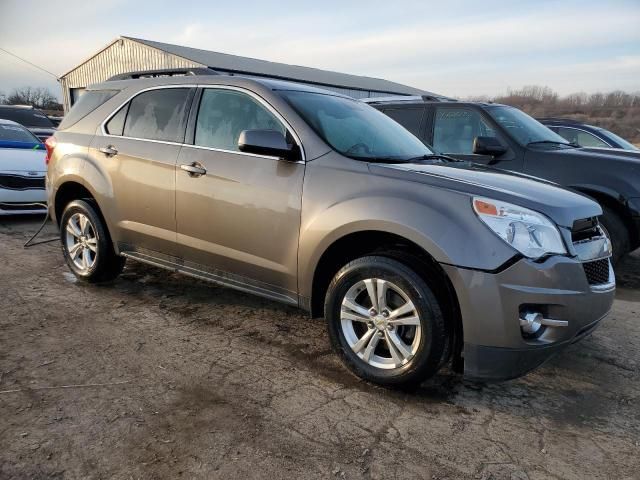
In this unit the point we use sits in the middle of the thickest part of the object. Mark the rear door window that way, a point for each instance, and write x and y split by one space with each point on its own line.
409 118
158 115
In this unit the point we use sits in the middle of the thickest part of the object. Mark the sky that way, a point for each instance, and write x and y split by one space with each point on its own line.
458 48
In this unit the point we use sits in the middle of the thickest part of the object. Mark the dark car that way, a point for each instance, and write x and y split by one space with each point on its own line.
32 118
586 135
507 138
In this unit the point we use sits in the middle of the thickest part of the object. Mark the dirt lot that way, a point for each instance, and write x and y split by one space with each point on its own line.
163 376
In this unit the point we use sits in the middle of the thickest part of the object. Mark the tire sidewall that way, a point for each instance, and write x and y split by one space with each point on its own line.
617 233
427 358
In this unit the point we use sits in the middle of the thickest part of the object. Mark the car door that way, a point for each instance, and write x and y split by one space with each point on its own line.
137 150
238 220
454 130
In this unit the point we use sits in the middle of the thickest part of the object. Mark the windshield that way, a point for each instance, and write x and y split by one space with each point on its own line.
29 117
356 129
619 140
522 128
16 133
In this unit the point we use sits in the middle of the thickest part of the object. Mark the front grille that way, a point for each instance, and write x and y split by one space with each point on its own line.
585 229
21 182
17 207
597 271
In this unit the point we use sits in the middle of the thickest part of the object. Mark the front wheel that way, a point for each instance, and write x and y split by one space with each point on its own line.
86 244
385 322
615 229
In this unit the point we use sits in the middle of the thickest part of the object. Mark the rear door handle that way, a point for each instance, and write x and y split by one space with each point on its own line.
194 169
109 151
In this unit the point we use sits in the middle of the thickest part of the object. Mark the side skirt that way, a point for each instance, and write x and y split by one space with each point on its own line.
211 275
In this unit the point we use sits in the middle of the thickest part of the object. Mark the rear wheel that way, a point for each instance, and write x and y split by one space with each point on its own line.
86 245
617 232
385 322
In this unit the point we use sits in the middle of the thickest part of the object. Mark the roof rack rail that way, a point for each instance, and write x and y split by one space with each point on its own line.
165 72
409 98
558 119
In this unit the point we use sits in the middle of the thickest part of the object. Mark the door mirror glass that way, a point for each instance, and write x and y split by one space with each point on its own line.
488 146
266 142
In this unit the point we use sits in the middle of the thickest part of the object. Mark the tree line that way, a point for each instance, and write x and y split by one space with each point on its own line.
38 97
617 111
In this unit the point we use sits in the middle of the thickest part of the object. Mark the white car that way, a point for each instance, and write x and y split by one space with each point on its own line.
22 170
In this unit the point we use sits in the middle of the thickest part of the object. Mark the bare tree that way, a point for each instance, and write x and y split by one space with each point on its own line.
37 97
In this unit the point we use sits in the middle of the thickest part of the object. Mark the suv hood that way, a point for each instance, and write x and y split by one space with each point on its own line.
561 205
609 153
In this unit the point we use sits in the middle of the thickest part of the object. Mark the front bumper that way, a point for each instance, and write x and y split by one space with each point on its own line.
491 305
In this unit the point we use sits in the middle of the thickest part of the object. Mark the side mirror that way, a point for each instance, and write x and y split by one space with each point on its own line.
488 146
267 142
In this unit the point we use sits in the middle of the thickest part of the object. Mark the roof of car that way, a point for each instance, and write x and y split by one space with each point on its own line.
20 107
567 121
221 79
426 99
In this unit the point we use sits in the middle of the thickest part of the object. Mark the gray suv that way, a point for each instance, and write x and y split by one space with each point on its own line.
316 200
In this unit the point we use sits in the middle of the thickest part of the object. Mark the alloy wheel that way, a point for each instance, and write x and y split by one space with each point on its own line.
81 242
380 323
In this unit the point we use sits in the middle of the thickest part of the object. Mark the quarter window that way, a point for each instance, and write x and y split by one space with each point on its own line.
115 126
455 129
158 115
224 114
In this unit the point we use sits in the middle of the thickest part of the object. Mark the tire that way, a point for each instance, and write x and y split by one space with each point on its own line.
421 331
617 232
86 244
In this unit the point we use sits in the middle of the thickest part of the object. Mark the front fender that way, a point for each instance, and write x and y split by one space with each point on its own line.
446 228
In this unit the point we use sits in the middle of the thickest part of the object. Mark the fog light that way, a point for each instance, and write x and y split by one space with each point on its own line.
531 323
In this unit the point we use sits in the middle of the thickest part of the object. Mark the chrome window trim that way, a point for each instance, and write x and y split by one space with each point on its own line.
585 131
254 95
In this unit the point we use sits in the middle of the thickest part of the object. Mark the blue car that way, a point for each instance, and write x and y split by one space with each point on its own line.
586 135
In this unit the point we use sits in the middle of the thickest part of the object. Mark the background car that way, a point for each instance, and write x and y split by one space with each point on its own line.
505 137
32 118
22 170
586 135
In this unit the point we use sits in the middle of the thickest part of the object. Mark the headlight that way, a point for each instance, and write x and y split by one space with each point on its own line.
529 232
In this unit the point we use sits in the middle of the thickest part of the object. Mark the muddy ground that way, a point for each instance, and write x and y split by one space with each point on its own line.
163 376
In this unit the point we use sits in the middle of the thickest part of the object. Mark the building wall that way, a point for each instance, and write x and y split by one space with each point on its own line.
124 55
121 56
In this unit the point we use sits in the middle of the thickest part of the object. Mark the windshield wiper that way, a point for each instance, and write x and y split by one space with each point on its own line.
553 142
434 156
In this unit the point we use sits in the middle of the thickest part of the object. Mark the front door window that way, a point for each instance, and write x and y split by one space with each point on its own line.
455 129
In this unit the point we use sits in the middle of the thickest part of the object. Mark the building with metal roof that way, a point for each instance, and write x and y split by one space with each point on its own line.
126 54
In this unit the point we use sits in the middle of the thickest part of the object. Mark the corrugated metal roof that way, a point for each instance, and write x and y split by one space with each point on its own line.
253 66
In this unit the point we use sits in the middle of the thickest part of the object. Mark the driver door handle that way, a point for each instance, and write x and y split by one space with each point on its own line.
109 151
194 169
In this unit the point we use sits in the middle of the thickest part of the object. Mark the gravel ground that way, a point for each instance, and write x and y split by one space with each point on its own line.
162 376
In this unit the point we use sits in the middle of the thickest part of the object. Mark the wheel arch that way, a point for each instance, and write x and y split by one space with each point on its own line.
392 245
615 202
